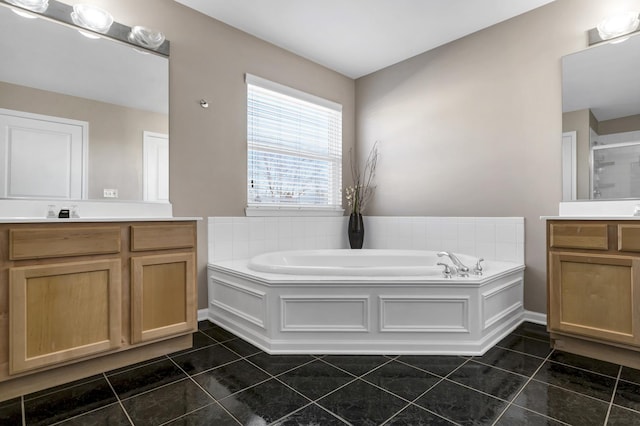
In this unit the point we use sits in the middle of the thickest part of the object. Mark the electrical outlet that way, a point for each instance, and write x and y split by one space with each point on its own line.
110 193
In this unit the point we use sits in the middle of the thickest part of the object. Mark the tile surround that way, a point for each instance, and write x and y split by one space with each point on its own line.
494 238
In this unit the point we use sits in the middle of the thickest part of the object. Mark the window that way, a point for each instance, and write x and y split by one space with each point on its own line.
294 150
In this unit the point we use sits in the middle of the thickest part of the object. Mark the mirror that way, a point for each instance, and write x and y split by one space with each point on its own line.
601 122
95 110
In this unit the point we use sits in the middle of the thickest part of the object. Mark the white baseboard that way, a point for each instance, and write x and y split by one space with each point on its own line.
203 314
535 317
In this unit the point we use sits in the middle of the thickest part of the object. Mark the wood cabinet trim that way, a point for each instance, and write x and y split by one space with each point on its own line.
556 318
37 243
591 236
138 333
19 360
628 237
162 236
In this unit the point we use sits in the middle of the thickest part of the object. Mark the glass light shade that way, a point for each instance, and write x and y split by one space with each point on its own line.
146 37
91 17
617 25
33 5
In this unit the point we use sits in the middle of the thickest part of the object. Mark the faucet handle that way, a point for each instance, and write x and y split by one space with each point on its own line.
447 272
478 268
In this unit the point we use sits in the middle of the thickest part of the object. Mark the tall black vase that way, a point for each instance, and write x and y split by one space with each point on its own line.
356 231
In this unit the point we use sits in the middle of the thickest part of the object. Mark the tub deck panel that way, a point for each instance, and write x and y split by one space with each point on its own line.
344 315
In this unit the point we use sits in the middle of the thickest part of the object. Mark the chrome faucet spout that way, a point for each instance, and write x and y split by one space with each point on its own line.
454 259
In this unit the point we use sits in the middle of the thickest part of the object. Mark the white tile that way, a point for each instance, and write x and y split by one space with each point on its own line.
222 251
285 227
310 226
256 247
270 245
449 229
466 232
433 245
485 232
299 243
418 233
240 229
520 252
222 231
520 233
434 229
506 252
505 232
271 228
396 243
449 245
486 251
298 225
404 226
256 228
285 244
468 249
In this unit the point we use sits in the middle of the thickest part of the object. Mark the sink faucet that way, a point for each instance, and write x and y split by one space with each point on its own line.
463 270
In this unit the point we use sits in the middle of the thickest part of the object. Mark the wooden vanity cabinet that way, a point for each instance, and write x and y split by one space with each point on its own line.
593 289
163 296
78 298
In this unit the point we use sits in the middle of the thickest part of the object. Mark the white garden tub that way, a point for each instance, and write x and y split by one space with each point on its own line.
365 302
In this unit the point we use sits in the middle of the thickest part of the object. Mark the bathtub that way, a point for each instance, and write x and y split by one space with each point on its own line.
364 302
365 262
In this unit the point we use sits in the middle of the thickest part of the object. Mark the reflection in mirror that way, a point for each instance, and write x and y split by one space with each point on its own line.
80 118
601 122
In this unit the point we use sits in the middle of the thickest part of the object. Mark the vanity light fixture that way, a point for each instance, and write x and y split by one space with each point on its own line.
146 37
38 6
614 27
92 18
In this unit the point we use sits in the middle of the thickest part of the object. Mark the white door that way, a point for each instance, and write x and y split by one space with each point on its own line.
155 179
42 156
569 171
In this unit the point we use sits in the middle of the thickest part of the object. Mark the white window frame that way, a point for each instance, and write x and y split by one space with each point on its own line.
292 210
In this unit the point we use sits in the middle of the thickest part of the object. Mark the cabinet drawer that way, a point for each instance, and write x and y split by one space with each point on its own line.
36 243
629 237
579 236
162 237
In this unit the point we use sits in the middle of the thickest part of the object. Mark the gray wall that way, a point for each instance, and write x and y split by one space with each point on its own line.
207 147
469 129
474 128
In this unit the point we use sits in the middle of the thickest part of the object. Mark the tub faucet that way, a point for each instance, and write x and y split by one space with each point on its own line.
463 270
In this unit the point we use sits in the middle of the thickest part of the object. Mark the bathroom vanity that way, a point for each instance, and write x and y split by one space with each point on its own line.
79 296
593 287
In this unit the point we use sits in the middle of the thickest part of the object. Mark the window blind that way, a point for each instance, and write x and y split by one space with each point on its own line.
294 148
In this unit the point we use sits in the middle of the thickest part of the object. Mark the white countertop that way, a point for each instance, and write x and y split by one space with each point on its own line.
589 217
95 219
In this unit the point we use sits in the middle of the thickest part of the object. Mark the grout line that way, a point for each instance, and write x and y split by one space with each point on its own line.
509 403
126 413
501 369
215 401
613 395
23 411
583 369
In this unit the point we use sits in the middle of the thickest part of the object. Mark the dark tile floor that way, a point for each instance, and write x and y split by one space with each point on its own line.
226 381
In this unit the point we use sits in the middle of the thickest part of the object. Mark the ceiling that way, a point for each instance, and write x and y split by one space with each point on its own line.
358 37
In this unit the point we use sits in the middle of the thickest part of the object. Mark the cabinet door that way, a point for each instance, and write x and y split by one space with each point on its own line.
595 296
62 312
163 299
